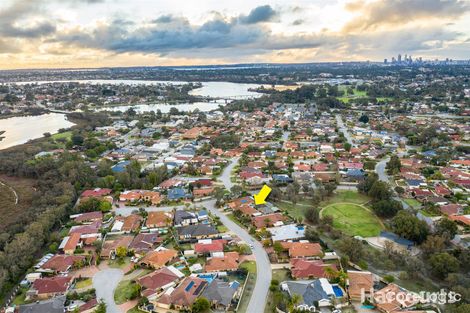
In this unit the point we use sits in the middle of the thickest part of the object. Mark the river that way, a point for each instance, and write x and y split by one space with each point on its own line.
208 89
21 129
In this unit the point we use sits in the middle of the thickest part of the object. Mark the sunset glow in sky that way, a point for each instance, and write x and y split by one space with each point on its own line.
101 33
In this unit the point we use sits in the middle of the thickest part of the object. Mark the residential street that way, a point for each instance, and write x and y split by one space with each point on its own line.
344 129
105 282
263 266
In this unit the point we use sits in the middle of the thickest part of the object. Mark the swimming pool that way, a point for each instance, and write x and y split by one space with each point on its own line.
207 277
338 291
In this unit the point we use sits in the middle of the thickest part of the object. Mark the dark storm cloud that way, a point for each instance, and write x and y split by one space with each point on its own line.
399 12
259 14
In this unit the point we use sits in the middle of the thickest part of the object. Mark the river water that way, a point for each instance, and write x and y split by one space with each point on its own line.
21 129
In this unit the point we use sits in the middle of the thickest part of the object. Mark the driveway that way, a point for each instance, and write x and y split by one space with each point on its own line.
105 282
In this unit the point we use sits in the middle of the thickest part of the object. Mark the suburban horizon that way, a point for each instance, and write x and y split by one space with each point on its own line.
101 33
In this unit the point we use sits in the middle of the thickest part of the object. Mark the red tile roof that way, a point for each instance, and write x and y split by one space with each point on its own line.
58 284
307 269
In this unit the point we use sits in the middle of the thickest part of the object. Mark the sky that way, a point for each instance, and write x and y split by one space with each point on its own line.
106 33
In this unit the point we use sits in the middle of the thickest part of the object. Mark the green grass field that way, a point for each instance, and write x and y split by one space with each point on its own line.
67 135
415 204
349 196
295 211
353 219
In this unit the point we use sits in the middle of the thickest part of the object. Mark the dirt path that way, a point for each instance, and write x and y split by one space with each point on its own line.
12 190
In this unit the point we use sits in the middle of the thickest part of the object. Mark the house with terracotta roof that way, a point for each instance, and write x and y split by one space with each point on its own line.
158 258
234 204
159 280
130 196
451 209
359 283
183 296
44 288
202 192
96 193
154 197
227 263
144 243
268 220
83 218
108 250
305 250
388 305
307 269
159 220
61 264
70 243
131 223
209 246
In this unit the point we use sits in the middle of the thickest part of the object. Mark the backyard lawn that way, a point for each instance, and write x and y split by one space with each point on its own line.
353 219
125 291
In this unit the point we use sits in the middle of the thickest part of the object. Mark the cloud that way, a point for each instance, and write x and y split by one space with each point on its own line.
297 22
373 15
259 14
13 18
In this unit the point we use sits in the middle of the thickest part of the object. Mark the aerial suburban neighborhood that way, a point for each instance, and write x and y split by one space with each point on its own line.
262 187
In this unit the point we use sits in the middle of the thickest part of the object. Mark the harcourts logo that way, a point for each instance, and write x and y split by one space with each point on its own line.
405 298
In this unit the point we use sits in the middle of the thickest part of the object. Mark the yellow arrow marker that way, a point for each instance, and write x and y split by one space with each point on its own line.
262 195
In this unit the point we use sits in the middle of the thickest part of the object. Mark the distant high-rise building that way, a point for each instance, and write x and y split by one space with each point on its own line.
385 61
394 60
399 58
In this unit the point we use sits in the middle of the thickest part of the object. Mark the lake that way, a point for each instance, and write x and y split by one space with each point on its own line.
21 129
165 108
226 90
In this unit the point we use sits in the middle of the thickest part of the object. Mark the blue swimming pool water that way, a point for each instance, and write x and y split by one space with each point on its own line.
338 291
207 277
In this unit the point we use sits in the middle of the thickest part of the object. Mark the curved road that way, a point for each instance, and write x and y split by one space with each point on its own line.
263 266
105 282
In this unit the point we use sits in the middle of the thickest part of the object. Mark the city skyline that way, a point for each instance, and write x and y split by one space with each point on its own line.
100 33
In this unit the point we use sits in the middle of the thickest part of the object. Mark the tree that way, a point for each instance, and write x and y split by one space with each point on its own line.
352 248
380 190
347 146
387 208
312 215
200 305
393 165
442 264
101 308
77 140
446 227
410 227
121 252
432 245
364 119
311 235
